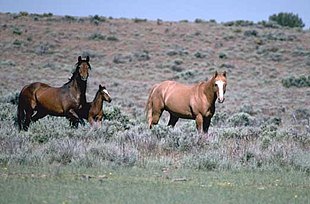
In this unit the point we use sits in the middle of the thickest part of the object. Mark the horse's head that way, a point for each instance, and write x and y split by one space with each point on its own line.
220 83
105 93
82 67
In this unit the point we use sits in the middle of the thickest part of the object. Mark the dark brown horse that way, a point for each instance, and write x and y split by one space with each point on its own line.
92 111
195 102
38 99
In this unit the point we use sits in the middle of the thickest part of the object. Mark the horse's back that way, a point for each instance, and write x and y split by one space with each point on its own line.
173 89
174 97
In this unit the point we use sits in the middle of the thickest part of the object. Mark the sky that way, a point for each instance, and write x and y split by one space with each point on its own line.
167 10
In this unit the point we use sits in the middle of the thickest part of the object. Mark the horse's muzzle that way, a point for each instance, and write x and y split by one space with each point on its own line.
221 100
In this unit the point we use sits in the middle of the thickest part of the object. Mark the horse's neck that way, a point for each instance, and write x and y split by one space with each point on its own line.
79 87
209 91
98 101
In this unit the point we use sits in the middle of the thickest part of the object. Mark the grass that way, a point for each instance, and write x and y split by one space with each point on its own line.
135 185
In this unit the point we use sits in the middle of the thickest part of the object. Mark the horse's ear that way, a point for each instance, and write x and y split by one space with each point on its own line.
87 59
224 73
79 59
100 87
215 74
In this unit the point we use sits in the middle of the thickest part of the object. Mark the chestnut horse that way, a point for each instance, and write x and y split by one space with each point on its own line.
195 102
38 99
92 111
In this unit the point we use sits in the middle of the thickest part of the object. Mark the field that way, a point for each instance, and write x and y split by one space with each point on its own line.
258 146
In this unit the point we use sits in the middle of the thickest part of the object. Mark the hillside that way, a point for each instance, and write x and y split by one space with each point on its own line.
258 145
129 55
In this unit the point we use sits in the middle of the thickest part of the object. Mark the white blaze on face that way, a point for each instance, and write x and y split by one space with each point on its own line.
220 85
106 92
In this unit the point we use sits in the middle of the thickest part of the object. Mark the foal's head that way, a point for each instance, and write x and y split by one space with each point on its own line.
220 82
104 92
82 67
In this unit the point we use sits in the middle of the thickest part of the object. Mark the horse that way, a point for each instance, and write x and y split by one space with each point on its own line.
196 101
92 111
38 99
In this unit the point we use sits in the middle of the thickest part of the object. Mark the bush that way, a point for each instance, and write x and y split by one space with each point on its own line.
95 19
112 38
301 81
139 20
239 23
17 31
249 33
97 36
287 19
241 119
198 20
70 18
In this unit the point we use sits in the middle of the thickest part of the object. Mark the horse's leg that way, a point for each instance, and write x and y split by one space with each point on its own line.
74 118
173 120
199 122
206 124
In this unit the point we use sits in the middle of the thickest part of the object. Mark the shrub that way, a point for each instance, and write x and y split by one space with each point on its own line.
12 98
23 13
97 36
268 24
241 119
287 19
69 18
44 48
222 55
139 20
187 74
239 23
198 20
249 33
142 55
96 19
302 81
122 59
17 31
112 38
201 55
47 14
115 114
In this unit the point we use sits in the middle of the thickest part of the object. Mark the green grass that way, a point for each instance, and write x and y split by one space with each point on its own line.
20 184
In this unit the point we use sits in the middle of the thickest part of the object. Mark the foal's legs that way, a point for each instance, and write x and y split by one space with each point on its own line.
173 120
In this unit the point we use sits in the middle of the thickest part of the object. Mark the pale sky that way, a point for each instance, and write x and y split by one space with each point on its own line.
168 10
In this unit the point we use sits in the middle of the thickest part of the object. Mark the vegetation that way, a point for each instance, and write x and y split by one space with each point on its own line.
287 19
258 143
302 81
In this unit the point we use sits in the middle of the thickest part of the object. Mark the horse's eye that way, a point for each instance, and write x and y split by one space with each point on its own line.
215 85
